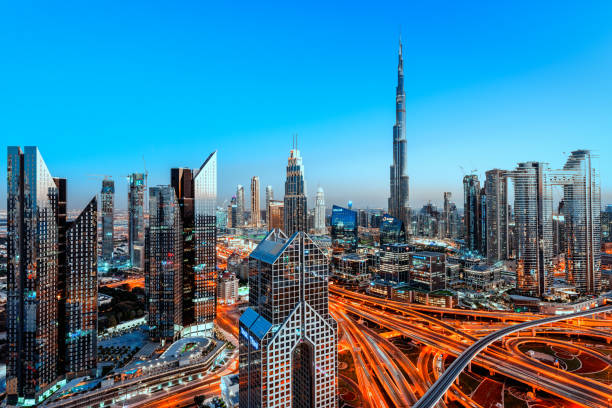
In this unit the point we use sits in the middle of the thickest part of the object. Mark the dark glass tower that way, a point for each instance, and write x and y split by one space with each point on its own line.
136 223
295 195
288 340
344 232
107 197
398 200
164 265
496 189
471 212
392 231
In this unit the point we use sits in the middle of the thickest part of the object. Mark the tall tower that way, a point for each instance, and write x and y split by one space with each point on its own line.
319 218
136 224
255 205
288 339
471 212
496 191
107 196
446 215
269 197
205 235
399 198
239 221
295 194
164 266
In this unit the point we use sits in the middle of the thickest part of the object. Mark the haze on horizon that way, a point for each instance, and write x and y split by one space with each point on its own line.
99 86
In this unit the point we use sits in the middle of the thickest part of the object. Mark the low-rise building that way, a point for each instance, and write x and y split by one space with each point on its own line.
483 277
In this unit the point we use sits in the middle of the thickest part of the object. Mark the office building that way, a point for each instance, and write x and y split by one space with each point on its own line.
181 180
319 216
446 214
79 300
288 339
496 231
255 205
295 218
395 263
136 222
483 277
205 235
344 231
240 208
276 214
533 226
107 196
606 224
399 181
427 271
471 212
221 218
392 231
164 266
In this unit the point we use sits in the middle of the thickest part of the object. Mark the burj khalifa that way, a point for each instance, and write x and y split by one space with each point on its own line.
398 201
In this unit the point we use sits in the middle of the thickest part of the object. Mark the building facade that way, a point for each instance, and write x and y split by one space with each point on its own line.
471 212
392 231
288 339
164 266
107 197
136 222
399 181
496 192
427 271
255 202
344 230
276 214
395 263
295 203
240 207
269 197
319 217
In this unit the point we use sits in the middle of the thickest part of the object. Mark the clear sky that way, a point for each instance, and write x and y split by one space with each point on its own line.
97 85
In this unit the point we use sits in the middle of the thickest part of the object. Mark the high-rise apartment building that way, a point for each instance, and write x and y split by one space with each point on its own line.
582 212
276 214
51 282
107 197
319 217
164 265
533 225
136 222
205 235
240 208
255 206
288 339
471 212
496 192
399 181
295 218
269 197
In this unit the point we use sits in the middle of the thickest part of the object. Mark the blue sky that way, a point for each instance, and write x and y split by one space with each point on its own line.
99 85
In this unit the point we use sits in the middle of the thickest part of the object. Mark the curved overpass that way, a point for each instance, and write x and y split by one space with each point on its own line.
444 382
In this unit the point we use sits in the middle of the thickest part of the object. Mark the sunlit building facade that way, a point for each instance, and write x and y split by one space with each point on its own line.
164 265
107 198
276 214
288 340
255 202
205 235
295 218
319 216
136 222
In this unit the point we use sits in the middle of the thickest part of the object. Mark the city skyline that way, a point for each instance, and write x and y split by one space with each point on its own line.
544 89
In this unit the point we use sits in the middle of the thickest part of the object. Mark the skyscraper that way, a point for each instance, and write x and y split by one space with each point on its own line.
32 284
136 223
295 194
79 300
582 214
240 209
496 189
471 212
269 197
107 196
276 213
255 206
181 180
164 265
288 339
399 198
205 234
392 231
446 214
344 231
533 224
319 218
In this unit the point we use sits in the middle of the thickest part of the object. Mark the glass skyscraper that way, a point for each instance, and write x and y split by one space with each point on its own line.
295 195
471 212
136 223
288 339
319 218
255 202
496 189
205 235
344 230
107 196
392 231
164 265
399 181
